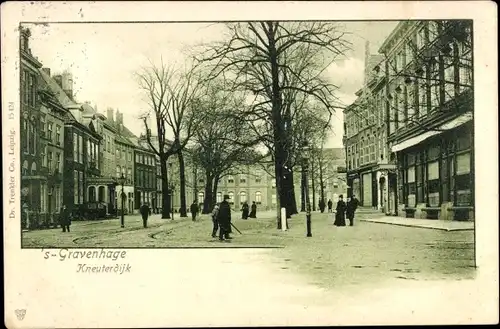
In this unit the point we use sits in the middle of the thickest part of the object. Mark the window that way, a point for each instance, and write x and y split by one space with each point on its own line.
412 115
49 161
421 39
80 149
129 156
117 152
258 176
101 194
433 30
410 179
25 135
231 197
273 199
49 130
408 53
243 197
33 168
33 137
449 76
433 183
219 197
422 99
58 162
230 179
80 185
118 171
44 156
465 63
129 175
243 178
201 197
75 187
273 183
75 147
58 135
137 158
92 194
43 197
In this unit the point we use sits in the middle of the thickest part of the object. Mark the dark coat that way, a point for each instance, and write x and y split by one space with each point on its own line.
340 215
330 204
224 215
194 208
145 211
253 213
65 216
244 211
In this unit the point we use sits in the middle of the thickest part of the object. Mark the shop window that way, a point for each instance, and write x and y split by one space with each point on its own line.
411 187
433 183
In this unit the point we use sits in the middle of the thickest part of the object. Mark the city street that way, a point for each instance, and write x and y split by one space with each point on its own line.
332 257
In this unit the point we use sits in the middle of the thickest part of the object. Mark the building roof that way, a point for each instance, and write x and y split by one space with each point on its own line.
60 95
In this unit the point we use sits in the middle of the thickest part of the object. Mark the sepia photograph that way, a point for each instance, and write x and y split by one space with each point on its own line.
339 153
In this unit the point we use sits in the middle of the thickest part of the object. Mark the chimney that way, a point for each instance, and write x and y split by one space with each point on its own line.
67 84
110 115
119 117
25 39
46 70
58 79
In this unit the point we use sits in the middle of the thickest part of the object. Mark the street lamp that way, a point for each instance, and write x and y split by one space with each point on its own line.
121 181
305 168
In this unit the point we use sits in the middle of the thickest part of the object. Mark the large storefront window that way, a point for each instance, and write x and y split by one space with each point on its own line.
433 182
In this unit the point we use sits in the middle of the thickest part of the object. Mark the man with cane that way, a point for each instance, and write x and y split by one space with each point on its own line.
224 219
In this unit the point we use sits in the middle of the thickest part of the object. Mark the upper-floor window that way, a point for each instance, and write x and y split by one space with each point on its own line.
230 179
58 162
49 130
243 178
58 135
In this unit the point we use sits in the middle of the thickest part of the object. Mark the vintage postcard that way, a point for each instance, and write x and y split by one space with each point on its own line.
208 164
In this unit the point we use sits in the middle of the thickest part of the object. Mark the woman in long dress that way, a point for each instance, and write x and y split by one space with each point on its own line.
253 213
340 212
244 211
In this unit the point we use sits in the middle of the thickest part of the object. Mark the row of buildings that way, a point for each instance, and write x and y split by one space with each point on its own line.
73 155
409 134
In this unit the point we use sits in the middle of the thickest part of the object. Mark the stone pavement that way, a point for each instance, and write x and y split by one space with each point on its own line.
436 224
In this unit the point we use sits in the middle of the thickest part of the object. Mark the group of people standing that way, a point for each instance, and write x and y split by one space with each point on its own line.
344 210
245 208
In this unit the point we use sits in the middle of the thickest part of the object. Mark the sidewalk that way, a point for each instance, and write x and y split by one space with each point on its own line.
444 225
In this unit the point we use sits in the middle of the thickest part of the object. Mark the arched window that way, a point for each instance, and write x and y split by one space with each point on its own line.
231 197
92 194
201 197
219 197
258 197
243 196
101 193
33 169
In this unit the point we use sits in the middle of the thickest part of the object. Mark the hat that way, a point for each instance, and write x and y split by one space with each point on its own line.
226 197
341 196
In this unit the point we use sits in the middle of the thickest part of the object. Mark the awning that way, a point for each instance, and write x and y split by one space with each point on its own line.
420 138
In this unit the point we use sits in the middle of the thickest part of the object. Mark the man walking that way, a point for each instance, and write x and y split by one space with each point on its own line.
145 212
224 219
65 218
194 210
330 205
352 205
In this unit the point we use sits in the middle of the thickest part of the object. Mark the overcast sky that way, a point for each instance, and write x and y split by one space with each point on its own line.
103 58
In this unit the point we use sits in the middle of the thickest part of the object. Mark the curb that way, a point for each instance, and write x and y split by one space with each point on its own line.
419 226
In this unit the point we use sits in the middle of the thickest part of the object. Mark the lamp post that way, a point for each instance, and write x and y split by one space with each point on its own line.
305 168
121 180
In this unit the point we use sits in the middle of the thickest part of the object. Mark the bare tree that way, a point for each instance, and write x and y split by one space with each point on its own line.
172 97
263 58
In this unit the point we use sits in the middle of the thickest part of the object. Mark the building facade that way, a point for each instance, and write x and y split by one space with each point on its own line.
145 173
430 109
31 177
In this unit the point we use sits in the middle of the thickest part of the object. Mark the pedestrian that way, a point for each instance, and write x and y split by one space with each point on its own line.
321 205
224 219
145 212
194 210
244 210
340 212
352 205
253 213
330 205
215 213
65 218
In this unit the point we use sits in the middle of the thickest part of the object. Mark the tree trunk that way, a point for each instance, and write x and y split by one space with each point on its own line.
313 179
208 194
321 182
214 191
182 179
165 204
303 190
